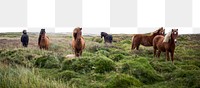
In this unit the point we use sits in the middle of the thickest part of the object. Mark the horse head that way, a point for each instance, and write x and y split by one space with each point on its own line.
103 34
43 35
160 31
77 33
174 34
24 32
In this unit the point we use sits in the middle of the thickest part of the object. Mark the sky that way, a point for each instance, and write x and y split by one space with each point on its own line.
95 16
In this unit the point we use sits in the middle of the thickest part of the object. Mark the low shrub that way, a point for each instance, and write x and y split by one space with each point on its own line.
81 65
97 39
66 75
117 57
47 62
142 70
163 67
103 64
123 81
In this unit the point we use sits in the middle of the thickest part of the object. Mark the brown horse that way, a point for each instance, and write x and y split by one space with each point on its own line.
43 41
144 39
78 43
165 44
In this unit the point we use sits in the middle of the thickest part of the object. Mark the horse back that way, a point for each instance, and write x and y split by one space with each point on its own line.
137 38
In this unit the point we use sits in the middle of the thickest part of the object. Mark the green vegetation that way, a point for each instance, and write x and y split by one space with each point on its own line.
101 66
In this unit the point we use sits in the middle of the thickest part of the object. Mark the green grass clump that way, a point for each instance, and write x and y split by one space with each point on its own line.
66 75
103 53
142 70
97 39
17 56
117 57
163 67
81 65
104 64
123 81
47 62
187 78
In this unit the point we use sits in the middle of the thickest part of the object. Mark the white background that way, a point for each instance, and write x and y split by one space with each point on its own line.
96 16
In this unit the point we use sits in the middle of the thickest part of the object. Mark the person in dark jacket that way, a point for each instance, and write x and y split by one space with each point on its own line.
24 38
41 32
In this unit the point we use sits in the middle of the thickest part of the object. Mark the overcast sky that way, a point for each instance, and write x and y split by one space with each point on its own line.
95 16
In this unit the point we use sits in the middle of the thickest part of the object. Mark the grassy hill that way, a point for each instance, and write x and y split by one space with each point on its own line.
101 66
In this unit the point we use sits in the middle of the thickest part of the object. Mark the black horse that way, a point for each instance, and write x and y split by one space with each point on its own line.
107 38
24 38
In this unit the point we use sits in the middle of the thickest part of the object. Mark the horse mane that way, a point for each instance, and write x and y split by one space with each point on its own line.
104 33
75 32
167 37
152 33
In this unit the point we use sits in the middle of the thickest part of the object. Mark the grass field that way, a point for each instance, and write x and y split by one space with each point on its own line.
101 66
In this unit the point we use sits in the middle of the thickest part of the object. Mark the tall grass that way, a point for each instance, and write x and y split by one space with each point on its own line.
20 77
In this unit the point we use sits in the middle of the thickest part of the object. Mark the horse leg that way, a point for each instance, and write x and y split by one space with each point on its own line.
76 53
154 52
133 46
47 48
158 55
81 53
167 55
137 46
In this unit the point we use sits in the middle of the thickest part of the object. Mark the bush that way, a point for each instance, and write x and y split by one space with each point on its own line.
93 47
104 64
163 66
117 57
47 62
126 41
66 75
77 83
103 52
189 67
81 65
118 51
16 56
142 70
186 78
67 64
97 39
123 81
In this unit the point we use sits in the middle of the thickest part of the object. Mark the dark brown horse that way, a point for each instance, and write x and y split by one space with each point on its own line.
144 39
78 43
107 38
43 40
165 44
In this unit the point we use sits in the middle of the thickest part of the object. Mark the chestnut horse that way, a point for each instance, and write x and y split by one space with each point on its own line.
144 39
165 44
78 43
43 40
